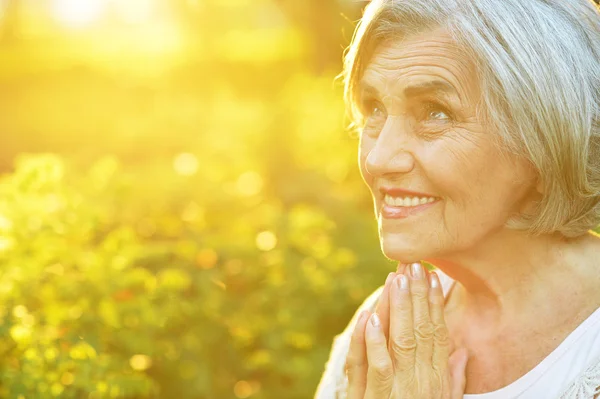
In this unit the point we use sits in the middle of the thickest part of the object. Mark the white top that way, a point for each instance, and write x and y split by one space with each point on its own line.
571 371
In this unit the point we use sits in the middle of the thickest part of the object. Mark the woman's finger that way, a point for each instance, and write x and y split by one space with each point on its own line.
380 376
423 327
402 338
401 268
356 361
383 306
441 339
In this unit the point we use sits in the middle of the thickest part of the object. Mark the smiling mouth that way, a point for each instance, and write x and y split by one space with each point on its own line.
407 201
406 206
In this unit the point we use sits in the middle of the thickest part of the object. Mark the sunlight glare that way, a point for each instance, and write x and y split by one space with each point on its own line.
135 11
78 13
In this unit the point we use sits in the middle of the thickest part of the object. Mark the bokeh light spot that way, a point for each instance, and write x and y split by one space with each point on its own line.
140 362
82 351
67 378
266 240
56 389
249 184
20 333
6 244
186 164
207 258
192 213
102 387
19 311
5 223
242 389
51 354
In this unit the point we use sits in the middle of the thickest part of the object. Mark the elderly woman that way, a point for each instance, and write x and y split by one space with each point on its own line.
480 143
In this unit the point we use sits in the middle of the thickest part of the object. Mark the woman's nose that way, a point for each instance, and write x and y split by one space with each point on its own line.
391 152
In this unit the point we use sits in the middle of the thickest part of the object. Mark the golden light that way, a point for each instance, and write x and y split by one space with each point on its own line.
78 13
135 11
186 164
249 184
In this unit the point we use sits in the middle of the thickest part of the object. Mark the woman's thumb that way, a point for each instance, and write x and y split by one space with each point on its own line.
458 379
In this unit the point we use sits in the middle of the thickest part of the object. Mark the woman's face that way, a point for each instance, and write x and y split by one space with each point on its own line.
439 183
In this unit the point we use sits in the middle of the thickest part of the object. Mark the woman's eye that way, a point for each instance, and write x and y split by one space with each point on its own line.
376 110
438 115
436 112
372 109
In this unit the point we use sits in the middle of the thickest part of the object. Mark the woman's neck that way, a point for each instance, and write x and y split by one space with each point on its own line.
509 270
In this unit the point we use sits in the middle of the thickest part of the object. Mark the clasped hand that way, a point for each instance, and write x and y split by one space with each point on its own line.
415 362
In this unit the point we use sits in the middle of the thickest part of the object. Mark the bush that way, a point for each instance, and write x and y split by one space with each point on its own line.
116 285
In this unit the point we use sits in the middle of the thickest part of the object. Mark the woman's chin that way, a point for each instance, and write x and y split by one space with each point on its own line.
401 249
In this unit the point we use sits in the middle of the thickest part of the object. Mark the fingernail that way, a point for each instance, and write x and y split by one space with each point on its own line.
389 278
417 271
434 281
363 314
402 282
375 320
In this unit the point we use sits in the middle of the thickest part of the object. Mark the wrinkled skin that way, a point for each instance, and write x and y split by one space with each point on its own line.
428 139
414 362
422 133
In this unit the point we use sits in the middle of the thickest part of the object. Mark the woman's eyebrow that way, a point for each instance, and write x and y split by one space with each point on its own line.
430 87
366 88
417 89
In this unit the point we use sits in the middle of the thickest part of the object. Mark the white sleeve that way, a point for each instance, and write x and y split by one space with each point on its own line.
334 382
587 384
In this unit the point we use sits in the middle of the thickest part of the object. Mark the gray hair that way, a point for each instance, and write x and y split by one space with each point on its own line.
539 67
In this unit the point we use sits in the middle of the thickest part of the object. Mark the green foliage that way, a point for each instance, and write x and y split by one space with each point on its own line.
225 240
113 285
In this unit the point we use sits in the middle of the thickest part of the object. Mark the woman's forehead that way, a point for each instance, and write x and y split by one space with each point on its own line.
428 62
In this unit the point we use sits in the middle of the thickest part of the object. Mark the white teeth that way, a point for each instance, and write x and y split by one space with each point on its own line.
407 201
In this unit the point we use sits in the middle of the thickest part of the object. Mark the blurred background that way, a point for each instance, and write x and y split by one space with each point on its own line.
181 214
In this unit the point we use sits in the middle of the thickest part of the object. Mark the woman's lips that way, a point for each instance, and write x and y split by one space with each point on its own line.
401 212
